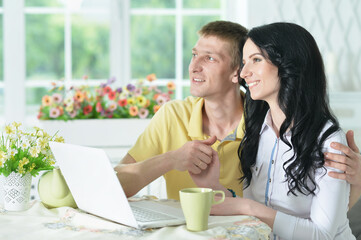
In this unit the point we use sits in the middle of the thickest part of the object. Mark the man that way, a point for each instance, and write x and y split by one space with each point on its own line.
184 136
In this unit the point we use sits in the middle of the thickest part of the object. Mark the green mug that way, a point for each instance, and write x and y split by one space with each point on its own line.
196 205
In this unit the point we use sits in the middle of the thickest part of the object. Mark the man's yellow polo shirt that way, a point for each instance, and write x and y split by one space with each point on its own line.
178 122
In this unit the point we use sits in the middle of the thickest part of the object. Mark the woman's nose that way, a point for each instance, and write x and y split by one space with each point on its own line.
245 72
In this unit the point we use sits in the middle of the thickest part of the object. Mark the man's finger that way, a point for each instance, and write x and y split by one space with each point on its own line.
345 149
342 176
336 157
342 167
210 141
195 170
351 141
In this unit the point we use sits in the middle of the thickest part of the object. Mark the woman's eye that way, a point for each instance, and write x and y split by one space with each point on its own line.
257 59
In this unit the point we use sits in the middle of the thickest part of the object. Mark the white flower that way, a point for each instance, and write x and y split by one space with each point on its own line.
69 108
25 144
69 100
42 142
34 151
13 152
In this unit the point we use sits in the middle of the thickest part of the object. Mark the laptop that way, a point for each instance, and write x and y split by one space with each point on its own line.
97 190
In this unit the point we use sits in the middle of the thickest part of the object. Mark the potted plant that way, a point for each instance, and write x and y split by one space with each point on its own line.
103 115
23 155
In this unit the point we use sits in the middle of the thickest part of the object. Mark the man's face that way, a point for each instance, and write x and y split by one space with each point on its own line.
210 69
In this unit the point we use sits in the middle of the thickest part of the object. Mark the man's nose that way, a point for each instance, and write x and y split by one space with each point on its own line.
195 65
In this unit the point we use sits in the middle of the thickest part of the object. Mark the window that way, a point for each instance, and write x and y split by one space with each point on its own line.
1 61
125 39
74 38
176 24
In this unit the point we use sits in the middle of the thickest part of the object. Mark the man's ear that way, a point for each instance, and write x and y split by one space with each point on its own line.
235 75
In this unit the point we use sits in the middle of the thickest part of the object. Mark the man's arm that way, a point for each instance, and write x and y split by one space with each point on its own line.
134 176
350 164
193 156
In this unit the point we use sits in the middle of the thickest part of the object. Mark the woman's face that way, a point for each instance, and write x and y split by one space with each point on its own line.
260 74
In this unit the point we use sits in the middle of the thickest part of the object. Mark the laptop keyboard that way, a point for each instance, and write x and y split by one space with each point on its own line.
145 215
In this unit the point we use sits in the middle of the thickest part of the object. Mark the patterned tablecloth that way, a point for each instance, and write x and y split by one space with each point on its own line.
38 222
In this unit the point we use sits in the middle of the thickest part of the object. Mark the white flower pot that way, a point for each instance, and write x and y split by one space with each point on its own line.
97 132
16 191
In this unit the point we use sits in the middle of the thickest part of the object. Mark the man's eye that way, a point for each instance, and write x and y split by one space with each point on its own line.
211 58
194 55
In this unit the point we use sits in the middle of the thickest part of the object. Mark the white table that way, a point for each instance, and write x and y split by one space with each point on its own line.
39 222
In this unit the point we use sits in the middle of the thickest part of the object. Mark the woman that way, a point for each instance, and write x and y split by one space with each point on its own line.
288 120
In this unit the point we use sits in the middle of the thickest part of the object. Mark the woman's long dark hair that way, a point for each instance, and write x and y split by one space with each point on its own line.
302 98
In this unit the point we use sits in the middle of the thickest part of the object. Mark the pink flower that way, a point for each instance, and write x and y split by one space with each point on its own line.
54 113
138 92
72 114
112 106
143 113
161 100
57 97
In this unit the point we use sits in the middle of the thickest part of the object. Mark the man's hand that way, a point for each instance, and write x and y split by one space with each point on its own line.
193 156
349 164
210 176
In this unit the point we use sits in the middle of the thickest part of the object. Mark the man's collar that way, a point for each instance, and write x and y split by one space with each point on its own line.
195 122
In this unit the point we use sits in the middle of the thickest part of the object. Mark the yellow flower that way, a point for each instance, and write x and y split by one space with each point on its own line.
9 129
59 139
16 125
32 167
46 135
131 101
21 170
23 162
42 142
142 101
2 155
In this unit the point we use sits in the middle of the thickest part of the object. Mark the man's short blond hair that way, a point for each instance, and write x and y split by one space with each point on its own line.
233 33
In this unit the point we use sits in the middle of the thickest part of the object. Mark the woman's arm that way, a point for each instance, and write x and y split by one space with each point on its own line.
327 210
244 206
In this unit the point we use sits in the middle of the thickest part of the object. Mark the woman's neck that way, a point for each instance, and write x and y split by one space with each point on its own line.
278 117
